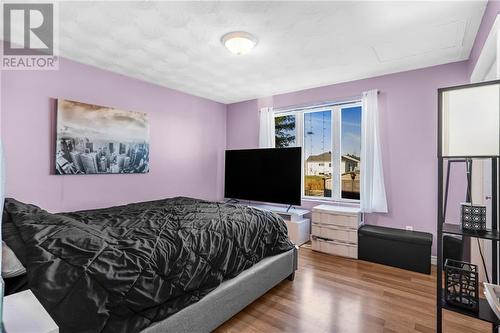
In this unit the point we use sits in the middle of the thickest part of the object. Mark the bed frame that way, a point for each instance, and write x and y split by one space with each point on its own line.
231 296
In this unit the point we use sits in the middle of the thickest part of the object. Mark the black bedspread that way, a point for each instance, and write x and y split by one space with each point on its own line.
119 269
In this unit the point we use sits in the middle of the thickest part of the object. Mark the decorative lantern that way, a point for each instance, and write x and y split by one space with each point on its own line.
473 216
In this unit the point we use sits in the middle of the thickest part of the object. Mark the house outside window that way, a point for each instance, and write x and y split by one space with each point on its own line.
330 137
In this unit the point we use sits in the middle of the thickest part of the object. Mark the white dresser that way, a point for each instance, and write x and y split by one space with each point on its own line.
334 230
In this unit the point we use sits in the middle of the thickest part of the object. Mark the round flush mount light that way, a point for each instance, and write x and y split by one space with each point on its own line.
239 42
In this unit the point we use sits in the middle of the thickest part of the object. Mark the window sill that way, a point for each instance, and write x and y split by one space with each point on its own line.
348 203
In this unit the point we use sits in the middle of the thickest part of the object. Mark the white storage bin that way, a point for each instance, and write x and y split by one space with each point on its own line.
335 230
335 233
335 248
298 231
348 221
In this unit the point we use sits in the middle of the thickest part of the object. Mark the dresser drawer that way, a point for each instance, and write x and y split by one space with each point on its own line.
341 220
335 233
335 248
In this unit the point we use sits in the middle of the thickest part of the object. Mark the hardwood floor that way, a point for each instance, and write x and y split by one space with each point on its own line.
333 294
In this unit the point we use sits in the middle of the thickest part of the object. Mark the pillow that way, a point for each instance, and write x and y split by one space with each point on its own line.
11 266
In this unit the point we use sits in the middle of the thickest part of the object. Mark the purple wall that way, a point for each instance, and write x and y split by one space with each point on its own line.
408 112
243 125
489 16
188 138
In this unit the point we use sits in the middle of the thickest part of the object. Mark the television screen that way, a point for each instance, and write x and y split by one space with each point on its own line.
269 175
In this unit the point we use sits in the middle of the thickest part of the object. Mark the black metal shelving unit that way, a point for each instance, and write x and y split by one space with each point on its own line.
485 312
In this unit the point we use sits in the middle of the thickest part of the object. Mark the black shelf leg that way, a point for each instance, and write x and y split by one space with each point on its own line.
494 226
494 217
439 276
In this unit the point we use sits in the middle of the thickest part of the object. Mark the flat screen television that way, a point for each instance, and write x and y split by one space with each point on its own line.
268 175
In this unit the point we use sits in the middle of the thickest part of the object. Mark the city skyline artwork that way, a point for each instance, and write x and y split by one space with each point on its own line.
93 139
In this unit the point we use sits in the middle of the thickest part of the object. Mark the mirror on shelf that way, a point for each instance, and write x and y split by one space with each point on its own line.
470 120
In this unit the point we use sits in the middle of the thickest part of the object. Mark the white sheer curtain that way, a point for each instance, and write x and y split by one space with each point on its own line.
373 198
266 129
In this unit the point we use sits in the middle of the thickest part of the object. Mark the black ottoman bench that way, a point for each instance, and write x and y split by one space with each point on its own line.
405 249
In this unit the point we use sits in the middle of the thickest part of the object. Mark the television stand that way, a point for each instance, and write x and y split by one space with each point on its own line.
299 227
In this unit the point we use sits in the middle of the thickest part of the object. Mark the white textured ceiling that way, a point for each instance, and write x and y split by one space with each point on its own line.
301 44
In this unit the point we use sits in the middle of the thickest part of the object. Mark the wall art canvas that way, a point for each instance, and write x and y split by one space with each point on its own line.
93 139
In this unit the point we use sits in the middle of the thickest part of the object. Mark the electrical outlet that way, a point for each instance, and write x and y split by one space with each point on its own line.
409 228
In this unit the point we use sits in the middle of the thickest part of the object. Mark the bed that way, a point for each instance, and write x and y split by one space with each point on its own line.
173 265
231 296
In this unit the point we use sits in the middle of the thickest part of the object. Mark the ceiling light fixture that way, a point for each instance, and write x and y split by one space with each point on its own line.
239 42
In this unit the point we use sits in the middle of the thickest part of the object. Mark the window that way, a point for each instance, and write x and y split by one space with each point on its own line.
350 151
330 138
317 150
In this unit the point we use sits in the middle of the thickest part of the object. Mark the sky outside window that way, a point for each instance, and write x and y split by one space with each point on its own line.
317 133
351 131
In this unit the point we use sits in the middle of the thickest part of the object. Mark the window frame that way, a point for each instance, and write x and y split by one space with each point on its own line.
336 140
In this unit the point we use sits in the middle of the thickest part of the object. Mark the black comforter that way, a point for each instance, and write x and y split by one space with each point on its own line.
119 269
